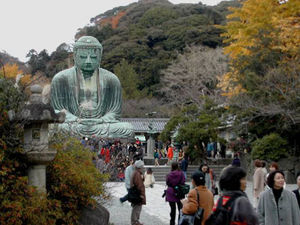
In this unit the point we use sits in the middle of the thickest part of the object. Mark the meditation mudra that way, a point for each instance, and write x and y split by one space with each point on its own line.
89 95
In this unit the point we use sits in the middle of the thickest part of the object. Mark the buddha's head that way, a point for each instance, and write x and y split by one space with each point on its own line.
87 55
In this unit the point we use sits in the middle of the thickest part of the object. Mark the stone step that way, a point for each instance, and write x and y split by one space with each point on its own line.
160 172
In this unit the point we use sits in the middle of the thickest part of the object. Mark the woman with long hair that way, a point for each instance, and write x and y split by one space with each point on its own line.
174 178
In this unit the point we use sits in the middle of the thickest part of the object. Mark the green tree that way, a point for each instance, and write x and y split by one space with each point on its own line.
196 126
128 79
271 147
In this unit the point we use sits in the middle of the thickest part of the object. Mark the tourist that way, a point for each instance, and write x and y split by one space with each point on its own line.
180 156
107 155
209 176
233 185
297 191
170 154
273 167
263 165
121 175
174 178
128 173
156 157
184 165
137 180
100 165
206 199
210 148
149 178
276 205
258 181
236 160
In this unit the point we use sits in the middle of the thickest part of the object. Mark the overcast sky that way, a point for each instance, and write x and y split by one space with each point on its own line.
45 24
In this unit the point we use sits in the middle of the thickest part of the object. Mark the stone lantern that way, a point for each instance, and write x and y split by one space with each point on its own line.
36 116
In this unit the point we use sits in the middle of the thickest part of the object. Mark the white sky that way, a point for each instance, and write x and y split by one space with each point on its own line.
45 24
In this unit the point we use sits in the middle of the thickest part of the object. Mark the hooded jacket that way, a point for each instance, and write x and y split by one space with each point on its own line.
174 178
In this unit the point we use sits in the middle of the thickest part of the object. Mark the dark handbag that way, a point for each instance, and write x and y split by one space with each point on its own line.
181 190
199 213
134 195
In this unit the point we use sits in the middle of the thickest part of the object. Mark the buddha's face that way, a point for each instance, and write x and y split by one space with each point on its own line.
87 60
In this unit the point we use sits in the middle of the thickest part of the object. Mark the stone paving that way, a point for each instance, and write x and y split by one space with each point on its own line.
156 211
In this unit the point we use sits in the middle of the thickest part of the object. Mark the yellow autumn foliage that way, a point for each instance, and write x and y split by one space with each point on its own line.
274 19
11 72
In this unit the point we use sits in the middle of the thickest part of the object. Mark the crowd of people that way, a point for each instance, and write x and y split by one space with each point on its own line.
275 205
272 203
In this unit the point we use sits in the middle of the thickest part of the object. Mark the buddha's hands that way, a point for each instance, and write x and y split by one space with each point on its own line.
69 116
90 121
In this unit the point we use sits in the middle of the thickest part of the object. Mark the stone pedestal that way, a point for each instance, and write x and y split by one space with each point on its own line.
150 146
37 177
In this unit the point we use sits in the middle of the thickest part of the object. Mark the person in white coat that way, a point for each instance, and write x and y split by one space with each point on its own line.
276 205
149 178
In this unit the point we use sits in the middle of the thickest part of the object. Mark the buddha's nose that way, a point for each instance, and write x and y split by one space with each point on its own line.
88 60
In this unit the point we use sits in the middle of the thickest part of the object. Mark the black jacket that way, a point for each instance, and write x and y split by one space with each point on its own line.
296 192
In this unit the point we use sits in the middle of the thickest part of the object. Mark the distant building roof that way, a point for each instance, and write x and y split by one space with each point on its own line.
142 124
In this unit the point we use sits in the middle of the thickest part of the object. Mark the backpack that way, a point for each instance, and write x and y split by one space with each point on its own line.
223 214
181 190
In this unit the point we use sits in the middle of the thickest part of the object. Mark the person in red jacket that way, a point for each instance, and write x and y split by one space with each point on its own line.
170 153
107 155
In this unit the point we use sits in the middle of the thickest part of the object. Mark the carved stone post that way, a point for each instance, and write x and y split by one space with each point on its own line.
36 115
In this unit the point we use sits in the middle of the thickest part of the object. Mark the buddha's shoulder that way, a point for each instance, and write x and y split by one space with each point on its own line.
64 73
108 75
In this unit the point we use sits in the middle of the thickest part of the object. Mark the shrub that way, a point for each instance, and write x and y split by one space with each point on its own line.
73 179
271 147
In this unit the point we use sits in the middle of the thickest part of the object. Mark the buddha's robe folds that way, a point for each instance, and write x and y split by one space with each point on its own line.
90 112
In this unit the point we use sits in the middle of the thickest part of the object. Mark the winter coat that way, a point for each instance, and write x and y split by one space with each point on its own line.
286 213
128 172
208 181
149 179
206 202
170 153
242 210
296 192
174 178
138 181
258 182
184 164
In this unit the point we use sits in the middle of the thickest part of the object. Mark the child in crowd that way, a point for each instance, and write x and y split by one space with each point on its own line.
149 178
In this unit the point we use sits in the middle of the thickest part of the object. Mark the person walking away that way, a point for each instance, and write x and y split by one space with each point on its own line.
128 173
264 169
184 165
236 160
107 155
234 199
210 148
100 165
206 199
137 180
276 205
258 181
209 181
297 191
156 157
170 154
180 156
149 178
174 178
